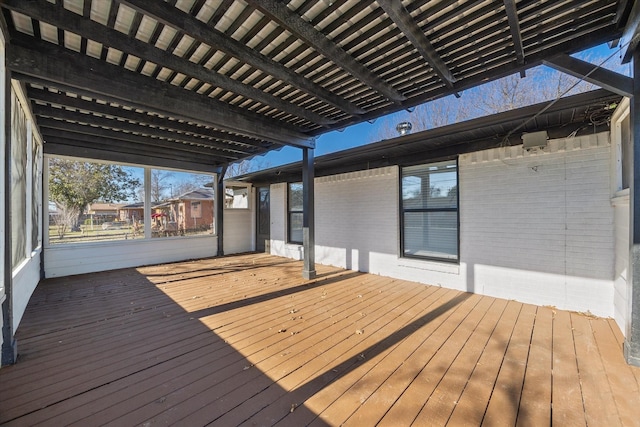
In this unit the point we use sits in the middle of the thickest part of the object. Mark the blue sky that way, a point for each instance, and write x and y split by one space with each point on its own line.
365 133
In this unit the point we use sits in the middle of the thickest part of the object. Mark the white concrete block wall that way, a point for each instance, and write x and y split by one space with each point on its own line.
535 227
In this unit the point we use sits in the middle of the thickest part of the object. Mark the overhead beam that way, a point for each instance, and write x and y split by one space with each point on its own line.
186 153
120 157
45 123
119 125
303 30
61 99
92 142
514 26
606 79
58 65
183 22
405 23
631 34
62 18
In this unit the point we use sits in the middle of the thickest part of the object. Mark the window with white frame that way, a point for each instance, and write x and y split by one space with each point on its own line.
429 207
295 212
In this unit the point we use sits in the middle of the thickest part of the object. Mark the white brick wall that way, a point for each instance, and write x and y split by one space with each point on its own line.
357 219
538 227
535 227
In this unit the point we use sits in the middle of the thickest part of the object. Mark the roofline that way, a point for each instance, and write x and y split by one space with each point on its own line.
287 172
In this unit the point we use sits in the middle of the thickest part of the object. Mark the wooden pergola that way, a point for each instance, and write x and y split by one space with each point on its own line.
203 83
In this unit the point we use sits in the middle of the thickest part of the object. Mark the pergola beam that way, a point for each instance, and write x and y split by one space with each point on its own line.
303 30
58 65
514 26
93 122
91 30
74 149
631 34
405 23
606 79
78 103
142 145
183 22
47 124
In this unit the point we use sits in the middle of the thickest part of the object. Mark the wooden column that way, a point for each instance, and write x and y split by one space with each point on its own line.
632 342
219 194
308 221
9 345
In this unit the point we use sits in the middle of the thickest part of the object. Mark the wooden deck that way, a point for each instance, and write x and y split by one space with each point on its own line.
245 340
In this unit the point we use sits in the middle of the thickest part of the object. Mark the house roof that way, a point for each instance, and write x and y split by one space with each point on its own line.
201 83
583 113
100 206
198 194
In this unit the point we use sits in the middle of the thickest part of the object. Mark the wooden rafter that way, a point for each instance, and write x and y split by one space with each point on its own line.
607 79
220 149
59 99
89 29
304 31
514 26
56 64
186 23
403 20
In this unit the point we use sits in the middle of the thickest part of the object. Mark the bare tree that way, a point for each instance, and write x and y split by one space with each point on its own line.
540 84
245 166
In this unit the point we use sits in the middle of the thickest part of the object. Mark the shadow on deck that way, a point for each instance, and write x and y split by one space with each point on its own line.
245 340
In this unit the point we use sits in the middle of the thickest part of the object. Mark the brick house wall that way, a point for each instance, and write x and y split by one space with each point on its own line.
536 227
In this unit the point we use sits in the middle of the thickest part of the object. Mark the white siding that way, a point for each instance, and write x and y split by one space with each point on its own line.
621 298
25 279
238 230
535 227
620 203
66 260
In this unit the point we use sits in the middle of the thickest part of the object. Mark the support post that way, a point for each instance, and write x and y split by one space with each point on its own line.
219 194
632 342
9 346
308 221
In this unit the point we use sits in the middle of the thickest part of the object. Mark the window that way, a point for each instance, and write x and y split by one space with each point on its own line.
429 209
102 202
294 205
19 167
182 204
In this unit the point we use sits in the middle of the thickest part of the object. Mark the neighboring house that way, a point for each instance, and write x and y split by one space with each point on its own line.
131 212
192 210
100 212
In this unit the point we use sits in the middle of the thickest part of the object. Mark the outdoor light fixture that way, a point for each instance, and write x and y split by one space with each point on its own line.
404 128
534 140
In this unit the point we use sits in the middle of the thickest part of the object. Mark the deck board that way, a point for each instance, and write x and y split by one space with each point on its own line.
244 340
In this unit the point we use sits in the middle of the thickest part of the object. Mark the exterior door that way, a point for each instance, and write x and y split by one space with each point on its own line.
263 221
